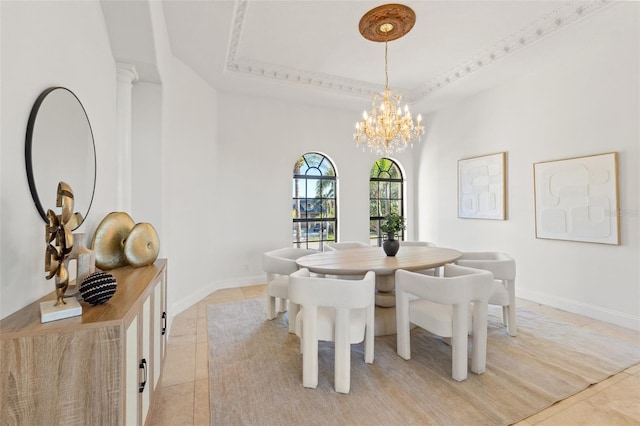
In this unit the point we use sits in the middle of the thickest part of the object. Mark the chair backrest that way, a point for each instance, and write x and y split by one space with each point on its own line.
500 264
458 285
283 261
333 292
346 245
417 244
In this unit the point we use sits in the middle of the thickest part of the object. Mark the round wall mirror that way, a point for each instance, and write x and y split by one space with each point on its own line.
60 147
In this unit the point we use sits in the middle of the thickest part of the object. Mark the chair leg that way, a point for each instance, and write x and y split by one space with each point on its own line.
271 307
293 312
282 305
479 338
459 341
299 329
369 337
402 324
310 350
342 362
512 326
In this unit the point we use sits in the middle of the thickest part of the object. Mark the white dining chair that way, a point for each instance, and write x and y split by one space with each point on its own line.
432 271
441 306
345 245
278 265
503 268
335 310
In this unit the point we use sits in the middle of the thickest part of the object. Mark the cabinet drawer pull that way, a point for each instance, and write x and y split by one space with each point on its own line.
164 323
143 365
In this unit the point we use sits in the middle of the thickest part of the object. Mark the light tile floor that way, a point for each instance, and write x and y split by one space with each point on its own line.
183 392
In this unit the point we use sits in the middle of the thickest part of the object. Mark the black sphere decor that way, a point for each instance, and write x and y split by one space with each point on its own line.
98 288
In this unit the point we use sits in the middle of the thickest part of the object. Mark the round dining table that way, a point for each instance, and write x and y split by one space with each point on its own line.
358 261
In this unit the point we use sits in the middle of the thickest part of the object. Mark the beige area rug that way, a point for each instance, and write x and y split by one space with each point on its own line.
255 374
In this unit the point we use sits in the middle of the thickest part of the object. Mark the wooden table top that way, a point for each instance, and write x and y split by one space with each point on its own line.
358 261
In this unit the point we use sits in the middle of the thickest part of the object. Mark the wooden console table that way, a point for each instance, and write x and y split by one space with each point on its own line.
98 368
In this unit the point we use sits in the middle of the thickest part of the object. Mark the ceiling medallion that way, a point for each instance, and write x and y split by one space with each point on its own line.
387 128
387 22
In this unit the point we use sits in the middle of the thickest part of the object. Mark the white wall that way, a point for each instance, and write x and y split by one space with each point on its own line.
48 44
147 142
586 102
174 149
259 141
174 144
191 184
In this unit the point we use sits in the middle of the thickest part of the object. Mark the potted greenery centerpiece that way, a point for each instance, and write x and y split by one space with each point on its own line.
391 225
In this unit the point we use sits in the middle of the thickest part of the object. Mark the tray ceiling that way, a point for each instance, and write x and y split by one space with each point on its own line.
312 50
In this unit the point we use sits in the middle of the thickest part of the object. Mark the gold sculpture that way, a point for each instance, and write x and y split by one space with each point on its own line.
142 245
109 239
119 241
59 241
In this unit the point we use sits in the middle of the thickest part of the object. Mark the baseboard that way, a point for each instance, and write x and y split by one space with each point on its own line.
596 312
204 291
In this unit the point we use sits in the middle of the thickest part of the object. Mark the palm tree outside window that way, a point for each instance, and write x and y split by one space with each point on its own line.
385 196
314 201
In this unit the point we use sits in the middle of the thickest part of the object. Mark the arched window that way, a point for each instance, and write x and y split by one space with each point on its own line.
385 196
314 201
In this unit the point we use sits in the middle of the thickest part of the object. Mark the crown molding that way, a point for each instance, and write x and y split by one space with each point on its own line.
288 74
563 17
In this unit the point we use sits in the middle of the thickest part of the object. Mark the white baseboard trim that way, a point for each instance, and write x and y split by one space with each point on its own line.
193 298
596 312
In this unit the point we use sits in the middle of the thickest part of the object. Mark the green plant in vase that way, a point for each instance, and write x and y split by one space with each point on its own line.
391 225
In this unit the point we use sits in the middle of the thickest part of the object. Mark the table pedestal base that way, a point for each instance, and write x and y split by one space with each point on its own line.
385 321
385 294
385 300
385 305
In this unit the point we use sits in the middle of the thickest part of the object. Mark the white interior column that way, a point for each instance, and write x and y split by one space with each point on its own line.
127 75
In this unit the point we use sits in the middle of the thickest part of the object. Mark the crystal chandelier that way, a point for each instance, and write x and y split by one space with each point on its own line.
387 128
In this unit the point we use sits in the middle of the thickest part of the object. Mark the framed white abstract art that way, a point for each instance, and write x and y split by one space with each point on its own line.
576 199
481 187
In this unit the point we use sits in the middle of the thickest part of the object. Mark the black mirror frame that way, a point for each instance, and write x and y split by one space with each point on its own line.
28 150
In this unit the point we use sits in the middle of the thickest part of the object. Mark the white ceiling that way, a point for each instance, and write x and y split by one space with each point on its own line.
311 50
